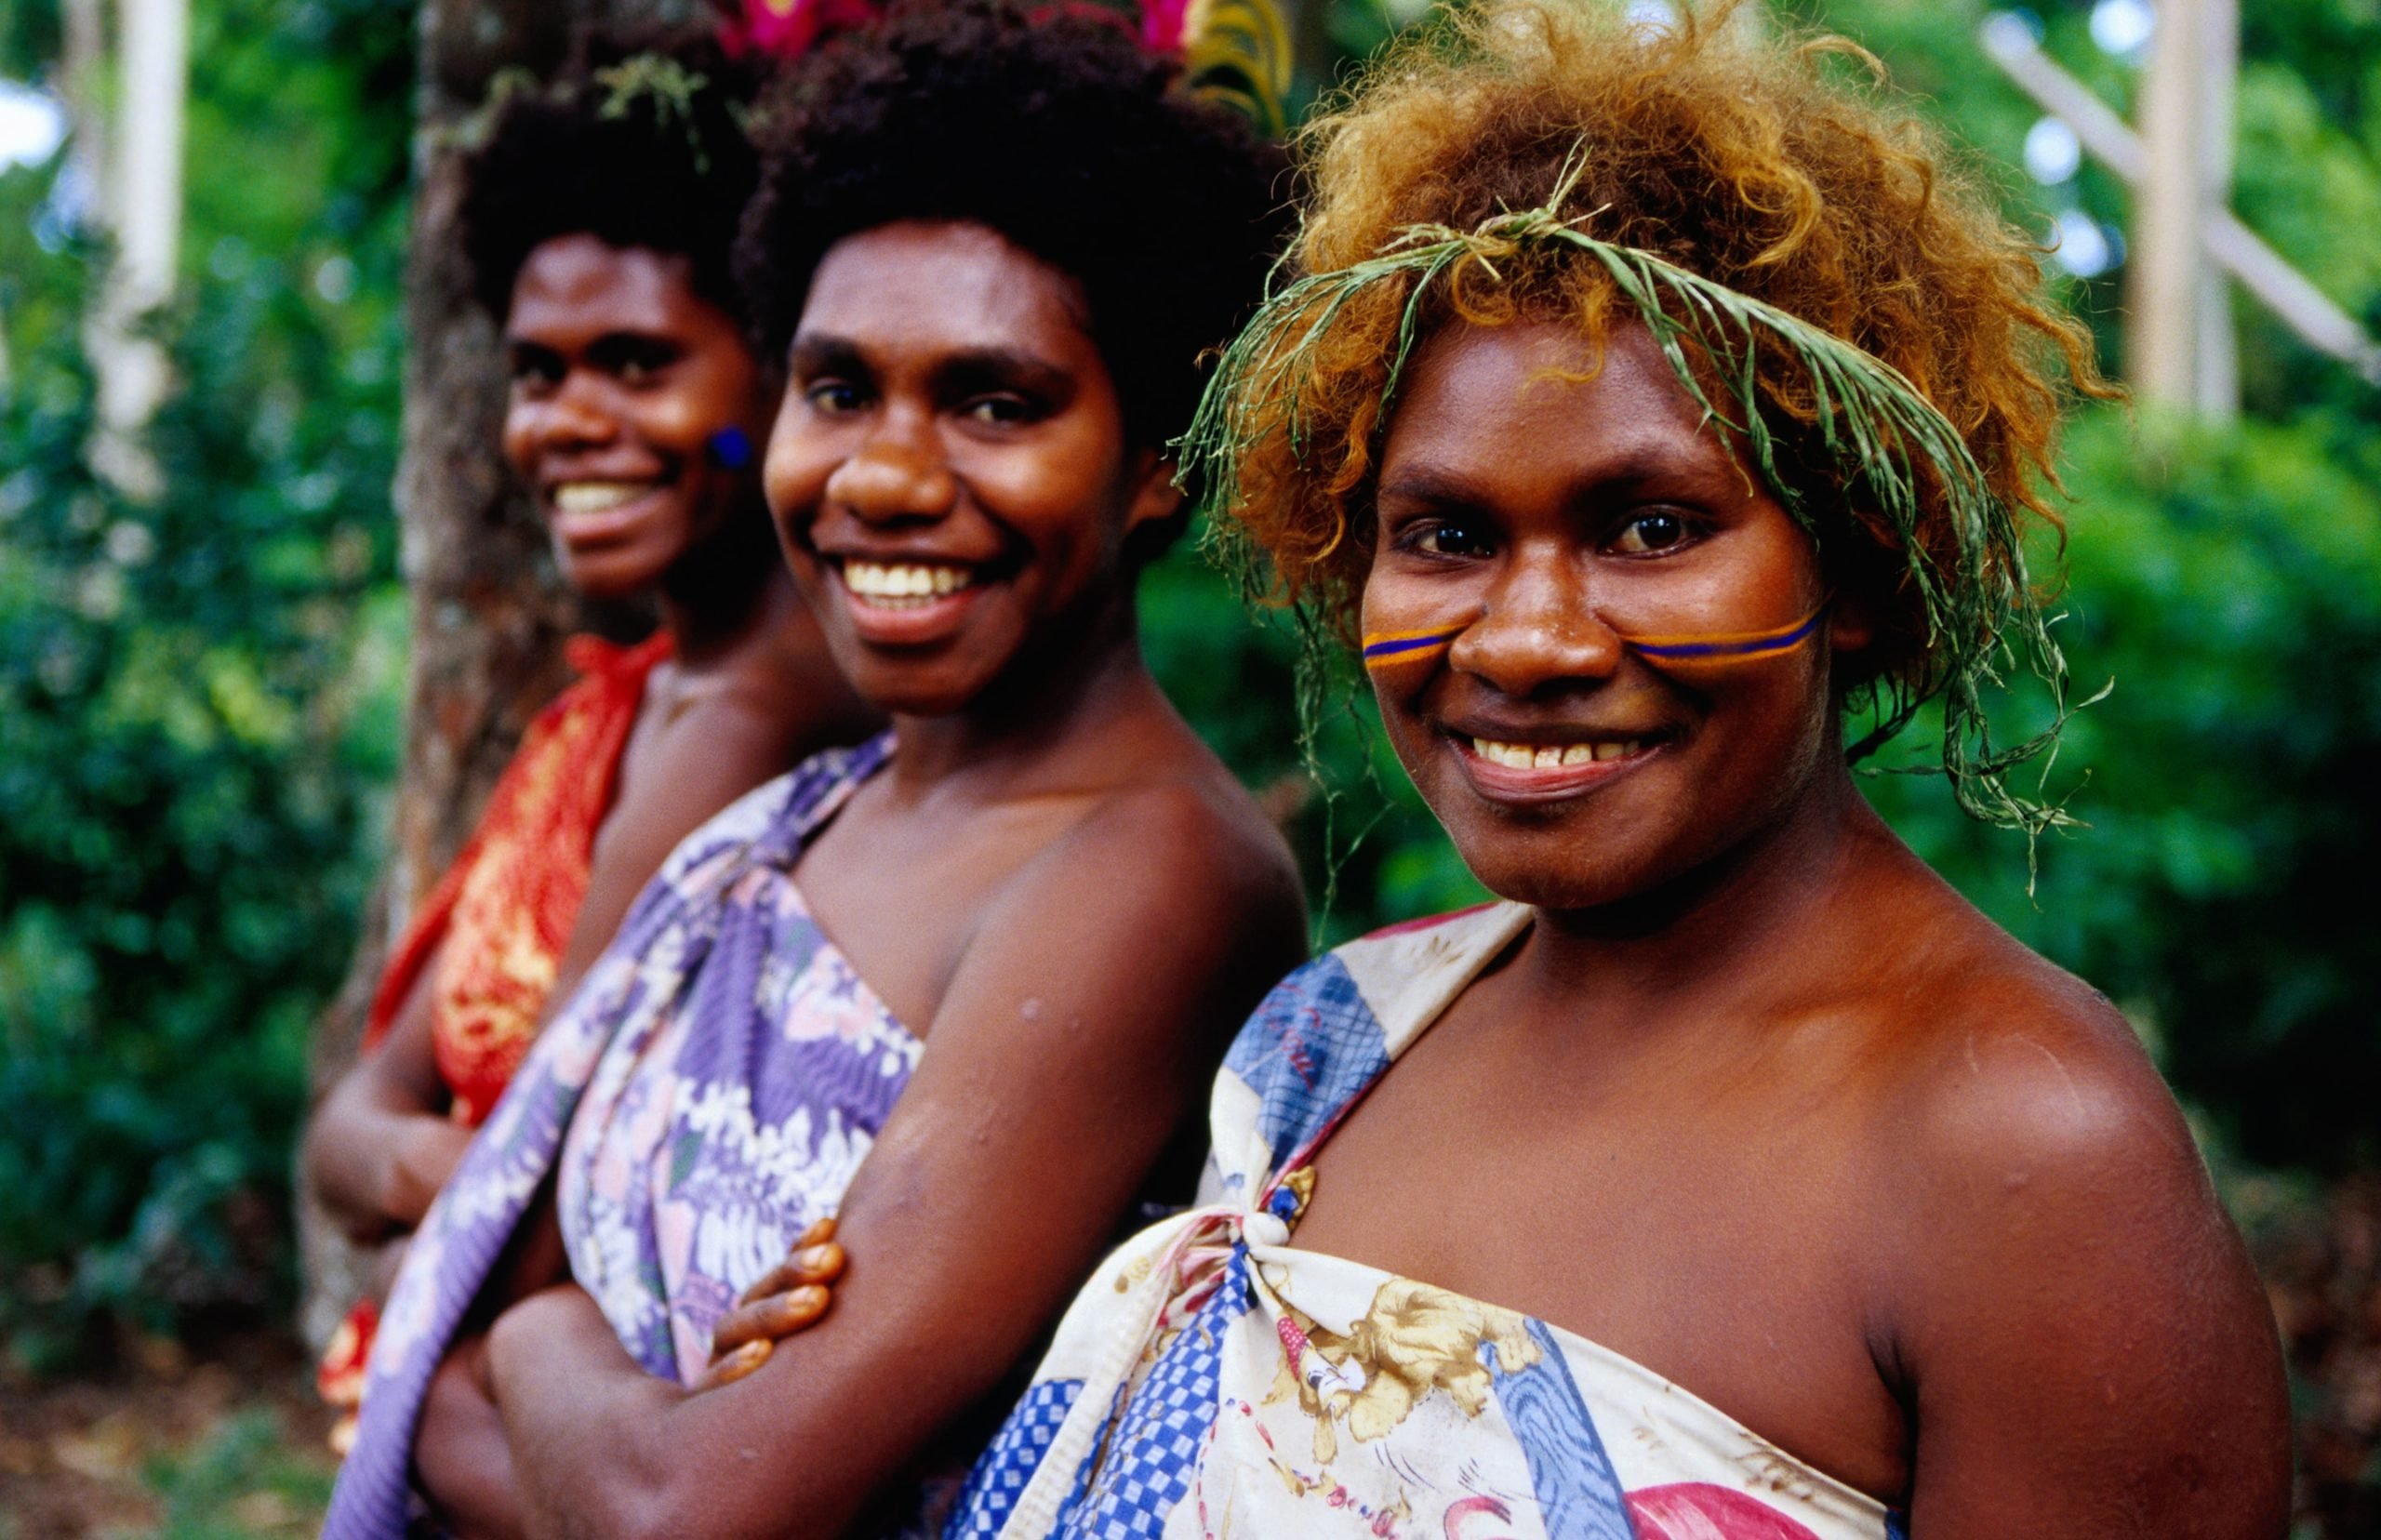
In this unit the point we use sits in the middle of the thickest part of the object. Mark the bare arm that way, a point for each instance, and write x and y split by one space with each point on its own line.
1081 1029
381 1145
2090 1351
460 1450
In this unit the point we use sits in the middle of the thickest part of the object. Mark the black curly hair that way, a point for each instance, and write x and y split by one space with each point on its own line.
582 154
1055 128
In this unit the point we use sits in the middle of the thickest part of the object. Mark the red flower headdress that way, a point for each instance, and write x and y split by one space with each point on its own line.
785 29
1238 51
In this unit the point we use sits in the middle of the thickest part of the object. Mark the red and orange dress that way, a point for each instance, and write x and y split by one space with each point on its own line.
499 920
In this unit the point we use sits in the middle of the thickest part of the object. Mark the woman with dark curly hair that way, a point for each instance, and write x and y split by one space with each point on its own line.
1639 400
598 215
996 953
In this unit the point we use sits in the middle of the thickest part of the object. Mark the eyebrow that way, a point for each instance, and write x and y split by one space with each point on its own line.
618 340
815 353
1430 486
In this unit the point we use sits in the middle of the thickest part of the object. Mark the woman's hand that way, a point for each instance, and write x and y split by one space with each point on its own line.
788 1298
380 1144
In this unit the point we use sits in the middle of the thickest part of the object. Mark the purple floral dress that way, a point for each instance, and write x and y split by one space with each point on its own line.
706 1096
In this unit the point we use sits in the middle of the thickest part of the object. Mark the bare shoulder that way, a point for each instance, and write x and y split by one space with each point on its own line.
2063 1300
1191 842
2016 1081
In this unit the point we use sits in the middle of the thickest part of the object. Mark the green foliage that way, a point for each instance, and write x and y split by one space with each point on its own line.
2222 893
197 697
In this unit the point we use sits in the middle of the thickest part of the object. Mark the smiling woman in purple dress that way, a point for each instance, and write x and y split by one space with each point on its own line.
979 970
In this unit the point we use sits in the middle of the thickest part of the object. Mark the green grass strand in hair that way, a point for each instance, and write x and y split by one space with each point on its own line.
1875 423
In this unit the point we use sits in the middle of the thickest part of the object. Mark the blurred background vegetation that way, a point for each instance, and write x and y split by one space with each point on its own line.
201 695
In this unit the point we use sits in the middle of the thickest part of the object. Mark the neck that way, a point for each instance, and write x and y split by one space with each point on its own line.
719 630
1757 918
725 592
1048 698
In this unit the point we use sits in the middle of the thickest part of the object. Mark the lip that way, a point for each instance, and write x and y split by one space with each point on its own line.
586 530
911 626
1512 784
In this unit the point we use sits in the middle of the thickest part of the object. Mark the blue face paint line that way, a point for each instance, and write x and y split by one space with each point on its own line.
730 448
1743 647
1403 646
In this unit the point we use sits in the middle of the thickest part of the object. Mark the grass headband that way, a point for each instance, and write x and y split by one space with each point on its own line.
1867 416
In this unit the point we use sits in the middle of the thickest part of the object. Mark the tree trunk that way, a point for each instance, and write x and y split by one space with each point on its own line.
488 612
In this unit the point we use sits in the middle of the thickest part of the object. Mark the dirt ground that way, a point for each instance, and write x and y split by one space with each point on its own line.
169 1445
2323 1270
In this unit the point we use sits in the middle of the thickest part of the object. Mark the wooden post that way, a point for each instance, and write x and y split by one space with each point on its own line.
2226 242
2179 338
2217 382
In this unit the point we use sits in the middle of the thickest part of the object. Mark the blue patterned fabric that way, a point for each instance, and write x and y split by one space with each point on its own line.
1156 1442
1579 1496
1011 1459
1312 1045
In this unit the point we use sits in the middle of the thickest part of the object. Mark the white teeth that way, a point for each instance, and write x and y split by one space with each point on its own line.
892 585
1525 756
593 496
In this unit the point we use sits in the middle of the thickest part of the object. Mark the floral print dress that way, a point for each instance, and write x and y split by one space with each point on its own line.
1213 1380
705 1097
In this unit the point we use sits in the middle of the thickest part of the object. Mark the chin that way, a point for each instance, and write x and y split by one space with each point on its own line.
911 691
1554 859
1539 886
609 576
607 585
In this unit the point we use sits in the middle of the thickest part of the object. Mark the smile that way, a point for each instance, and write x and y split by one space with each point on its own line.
1518 772
597 497
1527 756
904 586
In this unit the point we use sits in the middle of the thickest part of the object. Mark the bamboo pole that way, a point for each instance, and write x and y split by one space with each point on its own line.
2261 270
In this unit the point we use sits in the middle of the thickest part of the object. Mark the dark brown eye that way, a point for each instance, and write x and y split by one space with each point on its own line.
1446 538
1003 410
536 369
1650 532
833 397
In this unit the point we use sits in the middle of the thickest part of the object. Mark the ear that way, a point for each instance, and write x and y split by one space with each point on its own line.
1154 497
1851 624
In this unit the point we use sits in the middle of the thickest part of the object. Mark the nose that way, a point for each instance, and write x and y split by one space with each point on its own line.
1538 627
576 415
899 471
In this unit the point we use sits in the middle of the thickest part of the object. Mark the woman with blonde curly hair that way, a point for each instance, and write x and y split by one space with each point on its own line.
1641 402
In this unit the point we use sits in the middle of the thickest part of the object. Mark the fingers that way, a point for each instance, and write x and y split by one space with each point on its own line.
730 1367
788 1297
779 1316
811 1263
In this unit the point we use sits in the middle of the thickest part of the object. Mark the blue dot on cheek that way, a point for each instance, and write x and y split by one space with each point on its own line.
731 448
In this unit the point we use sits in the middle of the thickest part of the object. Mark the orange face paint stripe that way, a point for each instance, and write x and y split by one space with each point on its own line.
1385 647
